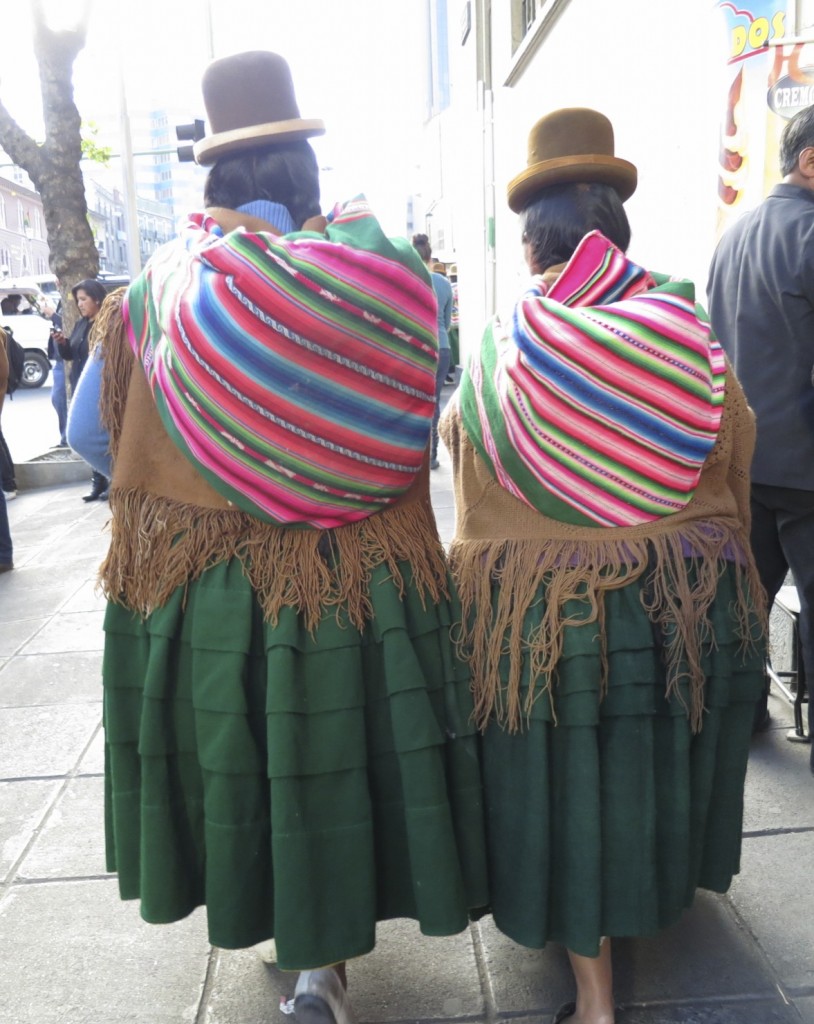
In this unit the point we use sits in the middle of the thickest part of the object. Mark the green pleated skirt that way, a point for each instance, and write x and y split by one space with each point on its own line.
301 787
606 822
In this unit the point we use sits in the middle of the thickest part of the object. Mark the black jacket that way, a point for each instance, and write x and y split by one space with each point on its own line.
78 343
761 302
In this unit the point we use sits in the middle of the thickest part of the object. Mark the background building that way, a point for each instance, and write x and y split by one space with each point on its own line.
23 238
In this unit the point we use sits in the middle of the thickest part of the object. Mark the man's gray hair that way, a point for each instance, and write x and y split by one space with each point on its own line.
797 136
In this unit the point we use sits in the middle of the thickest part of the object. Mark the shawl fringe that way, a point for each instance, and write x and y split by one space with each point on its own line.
499 581
158 544
117 366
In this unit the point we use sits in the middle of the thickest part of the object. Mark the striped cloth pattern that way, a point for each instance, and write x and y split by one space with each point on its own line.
602 402
296 372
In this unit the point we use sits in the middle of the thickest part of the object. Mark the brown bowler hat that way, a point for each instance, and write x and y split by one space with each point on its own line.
571 145
250 102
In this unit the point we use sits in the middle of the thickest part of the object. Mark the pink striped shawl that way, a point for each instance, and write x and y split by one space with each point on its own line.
296 372
600 403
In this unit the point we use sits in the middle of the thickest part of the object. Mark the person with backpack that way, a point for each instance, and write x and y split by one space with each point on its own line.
12 357
6 552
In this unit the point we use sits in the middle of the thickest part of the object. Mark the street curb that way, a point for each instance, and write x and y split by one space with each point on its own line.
50 470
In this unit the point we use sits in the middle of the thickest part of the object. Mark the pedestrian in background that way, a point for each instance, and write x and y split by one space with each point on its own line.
287 726
611 608
761 302
88 296
6 549
443 296
454 329
59 391
8 479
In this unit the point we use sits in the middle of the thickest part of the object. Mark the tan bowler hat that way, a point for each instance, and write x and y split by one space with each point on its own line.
250 102
574 144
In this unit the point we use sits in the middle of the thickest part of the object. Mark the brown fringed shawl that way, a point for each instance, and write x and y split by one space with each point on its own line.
504 548
169 524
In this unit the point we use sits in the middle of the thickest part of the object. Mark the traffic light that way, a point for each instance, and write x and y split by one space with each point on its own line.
193 132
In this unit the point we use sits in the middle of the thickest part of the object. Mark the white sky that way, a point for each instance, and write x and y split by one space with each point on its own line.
357 64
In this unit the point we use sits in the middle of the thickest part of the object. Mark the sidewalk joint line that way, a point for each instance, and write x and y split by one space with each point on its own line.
486 986
18 882
789 830
202 1013
66 779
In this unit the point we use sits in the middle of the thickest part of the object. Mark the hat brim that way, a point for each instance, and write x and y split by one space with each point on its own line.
609 170
210 149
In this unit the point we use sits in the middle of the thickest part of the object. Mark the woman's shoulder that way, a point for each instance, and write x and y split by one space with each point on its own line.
440 282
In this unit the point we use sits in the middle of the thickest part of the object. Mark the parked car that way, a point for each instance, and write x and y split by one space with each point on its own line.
30 329
45 283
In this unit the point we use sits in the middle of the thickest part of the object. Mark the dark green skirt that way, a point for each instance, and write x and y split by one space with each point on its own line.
300 787
608 821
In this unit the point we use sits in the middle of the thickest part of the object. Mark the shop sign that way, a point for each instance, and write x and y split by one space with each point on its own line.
789 95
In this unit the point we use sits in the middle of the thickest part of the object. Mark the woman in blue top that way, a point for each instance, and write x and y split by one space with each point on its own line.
443 295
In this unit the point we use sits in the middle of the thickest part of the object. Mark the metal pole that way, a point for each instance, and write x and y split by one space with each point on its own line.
129 185
210 35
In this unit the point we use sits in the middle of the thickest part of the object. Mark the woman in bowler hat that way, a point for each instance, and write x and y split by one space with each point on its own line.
288 726
611 609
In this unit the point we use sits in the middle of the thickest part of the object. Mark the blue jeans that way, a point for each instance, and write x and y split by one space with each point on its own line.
440 377
6 554
6 466
59 398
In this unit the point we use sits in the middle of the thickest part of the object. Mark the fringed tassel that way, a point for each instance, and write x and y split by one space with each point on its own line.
109 329
676 592
158 545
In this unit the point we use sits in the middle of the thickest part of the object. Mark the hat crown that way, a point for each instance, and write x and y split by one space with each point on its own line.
573 131
250 102
248 89
568 146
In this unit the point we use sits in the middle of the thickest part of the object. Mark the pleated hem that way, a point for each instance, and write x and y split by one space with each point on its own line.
302 784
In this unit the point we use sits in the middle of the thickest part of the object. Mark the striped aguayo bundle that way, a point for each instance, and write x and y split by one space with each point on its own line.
601 405
296 372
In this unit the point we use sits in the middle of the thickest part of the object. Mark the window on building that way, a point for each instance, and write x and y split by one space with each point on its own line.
2 210
528 18
438 50
37 224
528 13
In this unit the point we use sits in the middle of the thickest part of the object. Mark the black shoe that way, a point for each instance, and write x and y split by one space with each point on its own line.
435 464
98 487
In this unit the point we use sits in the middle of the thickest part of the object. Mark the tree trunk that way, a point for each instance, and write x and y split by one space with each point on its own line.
54 166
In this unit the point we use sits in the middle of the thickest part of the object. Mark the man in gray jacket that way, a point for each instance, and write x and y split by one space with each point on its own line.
761 300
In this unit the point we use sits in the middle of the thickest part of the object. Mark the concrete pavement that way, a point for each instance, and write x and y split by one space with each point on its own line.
72 953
